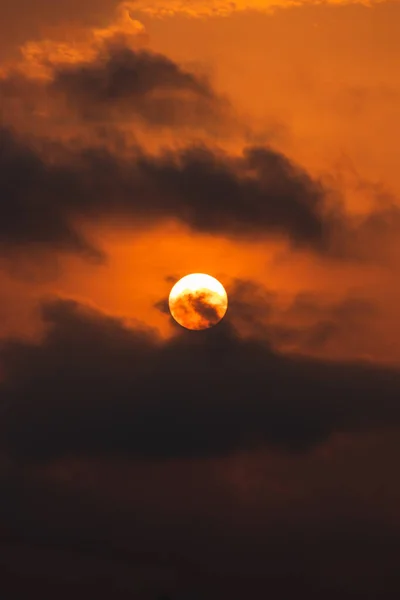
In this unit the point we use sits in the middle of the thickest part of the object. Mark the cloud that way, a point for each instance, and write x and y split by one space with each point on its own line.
41 57
92 387
22 21
123 82
223 8
260 193
112 87
30 213
309 323
66 30
46 189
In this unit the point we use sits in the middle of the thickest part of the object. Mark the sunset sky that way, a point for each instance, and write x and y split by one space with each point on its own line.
255 141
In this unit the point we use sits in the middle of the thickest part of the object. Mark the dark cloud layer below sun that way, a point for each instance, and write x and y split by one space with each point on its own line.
94 387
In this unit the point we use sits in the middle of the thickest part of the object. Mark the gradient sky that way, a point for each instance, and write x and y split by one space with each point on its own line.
256 141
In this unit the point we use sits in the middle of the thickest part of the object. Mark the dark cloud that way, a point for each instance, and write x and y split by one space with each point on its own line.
95 387
260 193
309 323
323 525
196 309
122 82
31 208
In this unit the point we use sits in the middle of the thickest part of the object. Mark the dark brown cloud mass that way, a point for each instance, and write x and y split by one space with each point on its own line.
148 438
113 84
47 187
30 204
122 82
260 193
95 387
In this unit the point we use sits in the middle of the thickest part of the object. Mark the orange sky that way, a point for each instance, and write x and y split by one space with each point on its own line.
317 82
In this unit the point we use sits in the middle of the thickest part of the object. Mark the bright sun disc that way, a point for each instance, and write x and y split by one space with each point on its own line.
198 301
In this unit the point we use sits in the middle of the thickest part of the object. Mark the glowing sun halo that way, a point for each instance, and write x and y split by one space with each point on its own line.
198 301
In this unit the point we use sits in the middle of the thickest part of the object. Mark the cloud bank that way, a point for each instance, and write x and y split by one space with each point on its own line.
95 387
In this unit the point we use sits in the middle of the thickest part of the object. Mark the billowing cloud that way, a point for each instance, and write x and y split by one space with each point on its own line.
261 192
122 83
46 189
25 26
39 57
92 386
27 216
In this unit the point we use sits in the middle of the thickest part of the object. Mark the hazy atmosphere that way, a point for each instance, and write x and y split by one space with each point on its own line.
256 142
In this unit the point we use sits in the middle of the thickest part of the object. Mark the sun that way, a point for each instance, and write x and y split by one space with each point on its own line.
198 301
